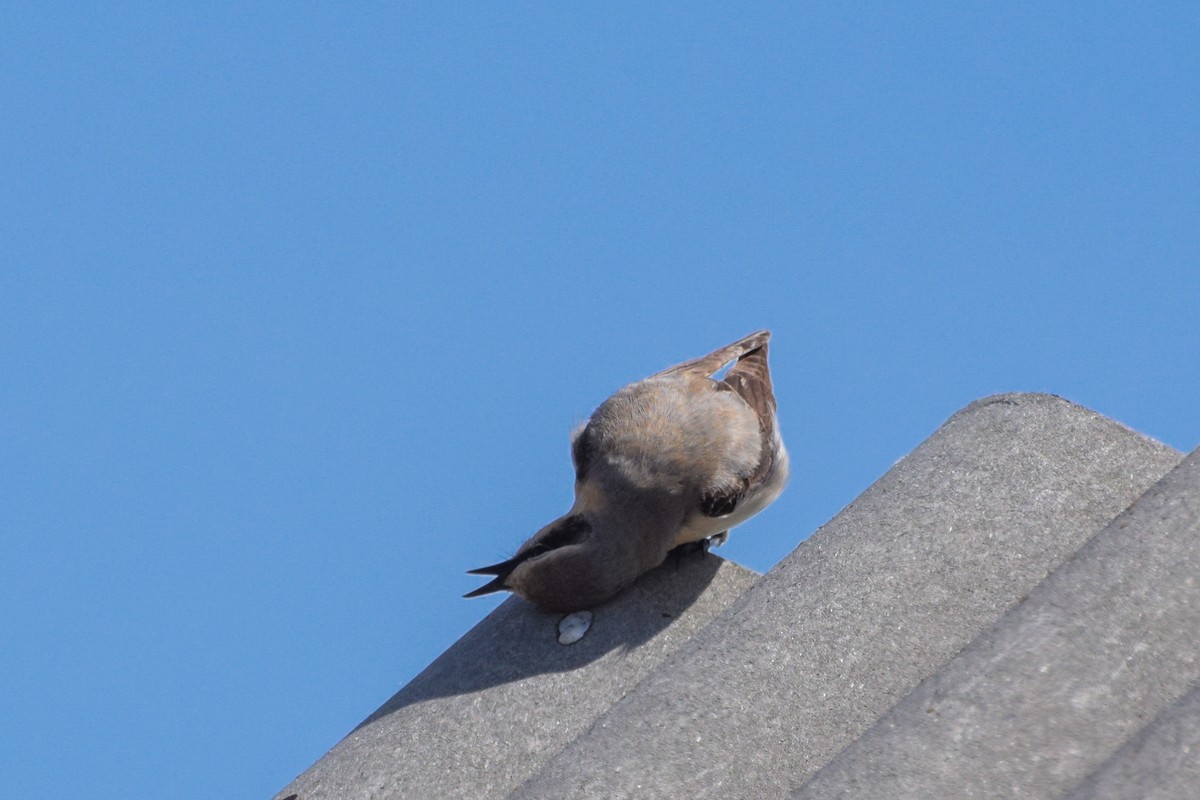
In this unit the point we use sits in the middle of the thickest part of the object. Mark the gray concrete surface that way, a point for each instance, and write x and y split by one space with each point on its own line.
881 597
1045 696
507 696
1161 763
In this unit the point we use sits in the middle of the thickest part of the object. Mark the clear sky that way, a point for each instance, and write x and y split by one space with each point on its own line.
299 302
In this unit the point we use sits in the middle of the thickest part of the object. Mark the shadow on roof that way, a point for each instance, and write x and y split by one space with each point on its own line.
519 641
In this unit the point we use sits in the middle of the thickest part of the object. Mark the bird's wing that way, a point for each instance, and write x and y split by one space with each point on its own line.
709 364
750 379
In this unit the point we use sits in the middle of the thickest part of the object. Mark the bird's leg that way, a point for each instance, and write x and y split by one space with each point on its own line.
716 540
680 552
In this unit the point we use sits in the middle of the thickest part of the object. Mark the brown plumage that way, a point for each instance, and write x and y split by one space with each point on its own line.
678 457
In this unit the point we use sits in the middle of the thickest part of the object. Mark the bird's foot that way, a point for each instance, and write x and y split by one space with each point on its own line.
700 546
716 540
687 550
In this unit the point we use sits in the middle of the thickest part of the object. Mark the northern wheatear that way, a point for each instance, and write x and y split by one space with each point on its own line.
678 457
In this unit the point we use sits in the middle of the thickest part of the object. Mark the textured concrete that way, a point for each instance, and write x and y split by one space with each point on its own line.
1161 763
507 696
821 647
1062 681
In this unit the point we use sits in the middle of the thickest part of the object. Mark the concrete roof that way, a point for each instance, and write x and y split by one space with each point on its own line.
494 707
1162 762
1049 692
929 591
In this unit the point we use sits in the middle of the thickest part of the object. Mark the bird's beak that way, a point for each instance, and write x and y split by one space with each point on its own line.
503 568
501 571
494 585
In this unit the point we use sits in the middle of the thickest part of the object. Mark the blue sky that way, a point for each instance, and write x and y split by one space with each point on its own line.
299 302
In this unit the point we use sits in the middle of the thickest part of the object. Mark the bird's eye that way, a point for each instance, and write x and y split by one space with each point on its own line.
718 505
538 549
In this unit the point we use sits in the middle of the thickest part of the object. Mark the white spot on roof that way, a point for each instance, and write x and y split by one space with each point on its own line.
574 626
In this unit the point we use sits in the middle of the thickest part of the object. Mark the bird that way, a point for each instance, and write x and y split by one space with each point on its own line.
675 459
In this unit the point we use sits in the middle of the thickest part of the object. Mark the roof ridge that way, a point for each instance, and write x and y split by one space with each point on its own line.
1159 761
1058 683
